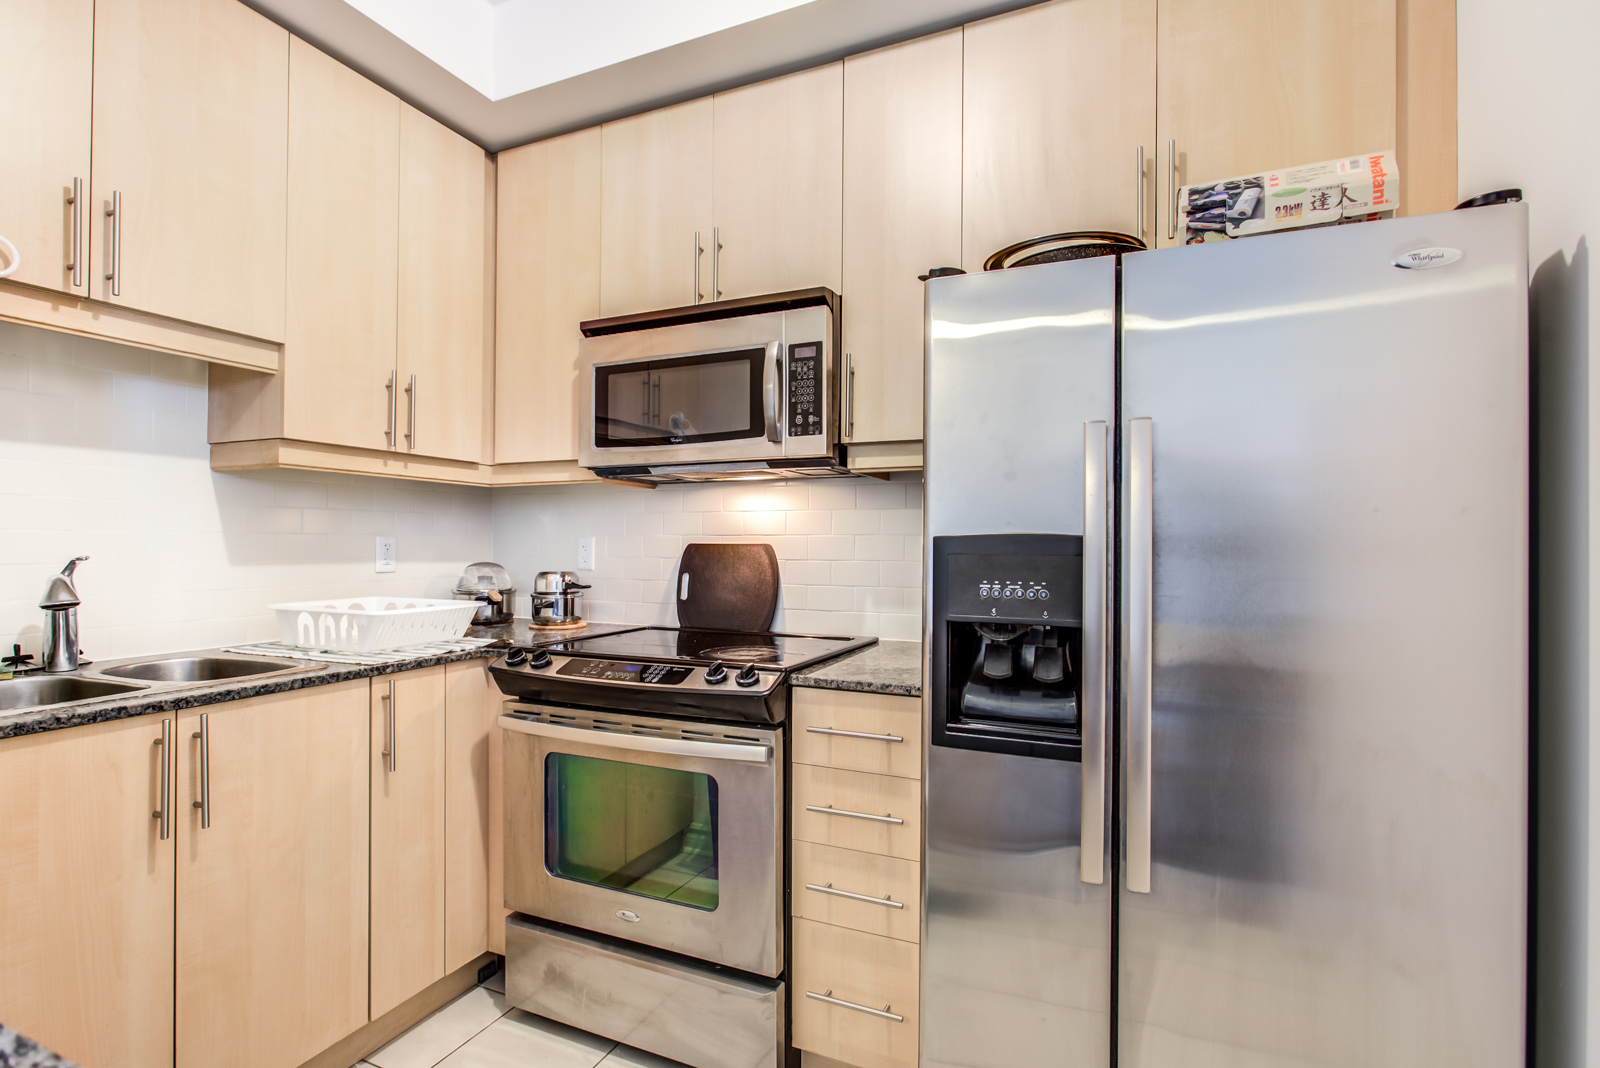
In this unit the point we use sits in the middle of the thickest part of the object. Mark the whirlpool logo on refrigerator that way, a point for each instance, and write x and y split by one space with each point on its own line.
1424 259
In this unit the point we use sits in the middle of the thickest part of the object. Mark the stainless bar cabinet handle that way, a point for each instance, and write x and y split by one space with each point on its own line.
835 731
164 813
1172 180
1096 520
389 738
1141 619
411 413
716 260
829 810
204 804
740 751
698 252
828 998
1138 193
75 265
827 888
114 213
849 396
388 434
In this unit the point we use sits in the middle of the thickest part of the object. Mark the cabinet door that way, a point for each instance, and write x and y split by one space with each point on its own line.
1059 98
44 138
655 195
443 287
191 123
408 860
548 281
344 180
474 919
902 215
1248 85
777 199
86 895
272 896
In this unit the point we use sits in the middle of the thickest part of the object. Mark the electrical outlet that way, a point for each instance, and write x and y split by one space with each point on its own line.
386 554
586 554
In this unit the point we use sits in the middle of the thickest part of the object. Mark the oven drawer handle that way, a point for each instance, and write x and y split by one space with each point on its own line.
885 901
854 734
829 999
829 810
750 754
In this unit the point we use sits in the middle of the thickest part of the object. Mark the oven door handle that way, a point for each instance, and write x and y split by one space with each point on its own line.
741 751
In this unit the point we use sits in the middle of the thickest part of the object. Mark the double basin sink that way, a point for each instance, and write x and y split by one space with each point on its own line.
152 673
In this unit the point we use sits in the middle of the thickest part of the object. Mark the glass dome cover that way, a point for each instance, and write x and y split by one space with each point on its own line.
482 577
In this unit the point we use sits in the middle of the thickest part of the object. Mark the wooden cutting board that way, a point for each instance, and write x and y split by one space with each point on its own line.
727 586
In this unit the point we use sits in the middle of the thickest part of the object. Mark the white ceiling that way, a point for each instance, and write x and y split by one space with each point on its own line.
505 72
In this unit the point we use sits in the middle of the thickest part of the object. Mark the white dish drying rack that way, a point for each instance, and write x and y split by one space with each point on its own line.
371 624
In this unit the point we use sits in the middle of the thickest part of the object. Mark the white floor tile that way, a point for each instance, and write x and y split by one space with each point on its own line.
435 1038
496 982
523 1040
628 1057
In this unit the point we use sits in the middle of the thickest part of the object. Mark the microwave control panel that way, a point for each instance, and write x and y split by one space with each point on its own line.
805 390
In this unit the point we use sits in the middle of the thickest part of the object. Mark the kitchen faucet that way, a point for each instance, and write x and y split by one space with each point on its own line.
60 603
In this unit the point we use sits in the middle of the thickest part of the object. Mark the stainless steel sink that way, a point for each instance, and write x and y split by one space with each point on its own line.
201 668
59 689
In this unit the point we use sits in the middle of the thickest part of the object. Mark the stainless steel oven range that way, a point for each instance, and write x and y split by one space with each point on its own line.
645 837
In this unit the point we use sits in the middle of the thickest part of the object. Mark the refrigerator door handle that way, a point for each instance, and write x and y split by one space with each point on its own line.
1096 518
1140 656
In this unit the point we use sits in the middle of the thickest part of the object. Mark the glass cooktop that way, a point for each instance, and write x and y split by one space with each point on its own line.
706 646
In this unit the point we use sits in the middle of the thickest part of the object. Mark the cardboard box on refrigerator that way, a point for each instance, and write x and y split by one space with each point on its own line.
1351 189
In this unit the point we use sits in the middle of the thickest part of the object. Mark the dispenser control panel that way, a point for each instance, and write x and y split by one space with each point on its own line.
805 385
1017 589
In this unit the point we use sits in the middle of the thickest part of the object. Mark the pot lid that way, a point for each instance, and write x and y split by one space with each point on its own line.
557 582
482 577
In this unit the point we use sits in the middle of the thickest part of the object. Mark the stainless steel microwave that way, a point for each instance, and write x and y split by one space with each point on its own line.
737 389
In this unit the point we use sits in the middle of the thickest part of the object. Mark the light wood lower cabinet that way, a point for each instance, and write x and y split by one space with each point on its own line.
858 731
408 834
474 910
86 885
870 1017
873 813
863 891
272 895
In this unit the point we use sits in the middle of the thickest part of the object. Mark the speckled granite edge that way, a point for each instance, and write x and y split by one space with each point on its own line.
893 668
19 1051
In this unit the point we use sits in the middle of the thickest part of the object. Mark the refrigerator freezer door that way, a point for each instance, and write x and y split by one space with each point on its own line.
1339 696
1016 949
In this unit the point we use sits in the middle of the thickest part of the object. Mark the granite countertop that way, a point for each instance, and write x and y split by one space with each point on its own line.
883 667
19 1051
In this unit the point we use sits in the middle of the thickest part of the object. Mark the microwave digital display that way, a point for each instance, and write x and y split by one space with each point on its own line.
680 400
805 385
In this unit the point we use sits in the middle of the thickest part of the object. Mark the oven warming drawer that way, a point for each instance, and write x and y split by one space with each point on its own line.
700 1015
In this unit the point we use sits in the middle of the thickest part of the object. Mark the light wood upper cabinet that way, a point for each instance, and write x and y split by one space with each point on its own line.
272 896
655 196
1058 100
547 282
408 875
44 138
1249 85
777 199
443 289
190 128
474 921
902 215
344 182
86 894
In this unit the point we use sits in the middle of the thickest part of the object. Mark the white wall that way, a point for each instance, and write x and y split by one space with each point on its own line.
849 550
103 452
1529 83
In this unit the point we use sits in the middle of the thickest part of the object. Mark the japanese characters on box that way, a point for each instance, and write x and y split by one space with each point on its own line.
1352 189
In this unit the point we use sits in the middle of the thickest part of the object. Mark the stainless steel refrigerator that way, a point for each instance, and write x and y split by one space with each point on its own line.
1227 638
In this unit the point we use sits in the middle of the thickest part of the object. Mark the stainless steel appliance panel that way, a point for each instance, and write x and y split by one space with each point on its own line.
1016 957
743 928
1327 457
695 1015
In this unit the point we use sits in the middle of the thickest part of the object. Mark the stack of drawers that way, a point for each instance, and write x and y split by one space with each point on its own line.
857 875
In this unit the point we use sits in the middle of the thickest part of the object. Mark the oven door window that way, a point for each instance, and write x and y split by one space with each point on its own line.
632 827
710 396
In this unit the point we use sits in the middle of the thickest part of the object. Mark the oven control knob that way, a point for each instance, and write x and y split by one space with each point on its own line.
716 674
516 657
747 676
540 658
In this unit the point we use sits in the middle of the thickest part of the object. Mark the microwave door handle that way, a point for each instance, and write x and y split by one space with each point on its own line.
774 387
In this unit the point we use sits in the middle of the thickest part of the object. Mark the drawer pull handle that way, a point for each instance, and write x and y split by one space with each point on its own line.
885 901
829 999
829 810
855 734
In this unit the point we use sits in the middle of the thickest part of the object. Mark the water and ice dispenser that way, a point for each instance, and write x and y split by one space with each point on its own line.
1007 643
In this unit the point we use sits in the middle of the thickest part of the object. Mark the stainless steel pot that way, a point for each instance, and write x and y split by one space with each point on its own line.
490 584
555 599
